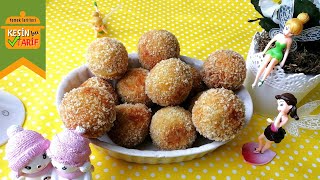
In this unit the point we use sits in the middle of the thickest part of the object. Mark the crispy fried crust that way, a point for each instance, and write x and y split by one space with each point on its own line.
171 128
97 82
131 87
107 58
218 114
197 85
169 82
224 68
91 108
193 100
157 45
131 126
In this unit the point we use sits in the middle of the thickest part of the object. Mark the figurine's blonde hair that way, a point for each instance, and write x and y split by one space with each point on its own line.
96 20
296 24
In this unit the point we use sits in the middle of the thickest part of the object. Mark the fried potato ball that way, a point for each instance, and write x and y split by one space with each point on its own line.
107 58
157 45
218 114
169 82
91 108
193 100
224 68
131 126
197 84
97 82
131 87
171 128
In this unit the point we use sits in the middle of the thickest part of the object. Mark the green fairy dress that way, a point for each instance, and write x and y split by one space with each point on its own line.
276 52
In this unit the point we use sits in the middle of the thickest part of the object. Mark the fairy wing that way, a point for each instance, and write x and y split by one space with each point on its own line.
306 109
310 34
285 13
310 122
294 46
273 32
292 128
307 121
113 10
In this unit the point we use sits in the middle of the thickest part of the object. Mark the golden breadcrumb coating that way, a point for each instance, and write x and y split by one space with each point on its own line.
169 82
97 82
224 68
107 58
197 84
193 100
218 114
171 128
157 45
131 126
131 87
91 108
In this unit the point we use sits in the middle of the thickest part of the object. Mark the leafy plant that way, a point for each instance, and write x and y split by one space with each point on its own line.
307 7
299 7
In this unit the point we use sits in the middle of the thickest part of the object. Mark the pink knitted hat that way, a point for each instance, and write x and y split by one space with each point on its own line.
70 148
23 146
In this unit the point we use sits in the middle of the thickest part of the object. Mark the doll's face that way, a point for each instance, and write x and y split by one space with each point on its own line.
286 31
98 27
37 164
283 106
63 167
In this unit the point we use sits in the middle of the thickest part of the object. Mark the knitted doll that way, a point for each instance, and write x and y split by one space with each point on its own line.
26 153
70 152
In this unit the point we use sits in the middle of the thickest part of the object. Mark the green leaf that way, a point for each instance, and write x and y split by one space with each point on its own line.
255 3
307 7
299 7
267 24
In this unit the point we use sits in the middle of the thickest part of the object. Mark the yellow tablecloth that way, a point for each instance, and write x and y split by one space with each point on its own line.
201 28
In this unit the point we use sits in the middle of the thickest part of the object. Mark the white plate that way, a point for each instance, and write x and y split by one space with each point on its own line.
147 152
12 112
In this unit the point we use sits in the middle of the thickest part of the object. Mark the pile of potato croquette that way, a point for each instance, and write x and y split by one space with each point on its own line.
165 98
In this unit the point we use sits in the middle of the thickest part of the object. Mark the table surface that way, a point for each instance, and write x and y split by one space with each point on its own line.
201 27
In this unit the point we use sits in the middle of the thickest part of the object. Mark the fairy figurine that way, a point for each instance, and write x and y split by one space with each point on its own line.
280 14
259 153
99 26
98 21
273 133
282 41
